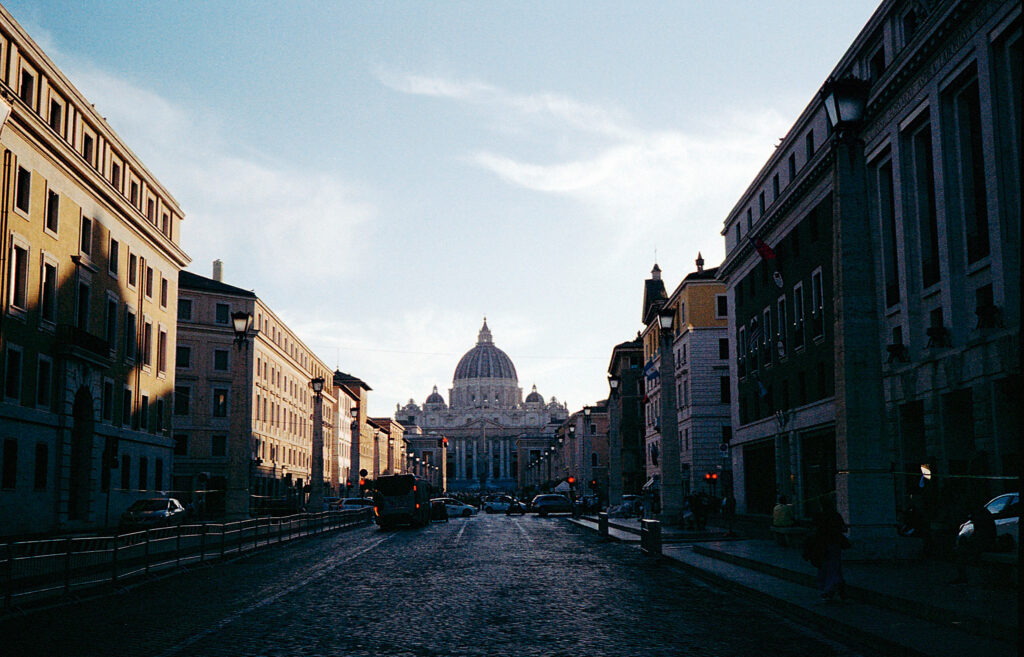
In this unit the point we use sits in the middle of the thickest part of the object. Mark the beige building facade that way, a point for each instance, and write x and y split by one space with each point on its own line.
254 397
90 264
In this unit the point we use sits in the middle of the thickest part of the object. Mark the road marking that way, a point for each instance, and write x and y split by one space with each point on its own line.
265 601
522 531
459 536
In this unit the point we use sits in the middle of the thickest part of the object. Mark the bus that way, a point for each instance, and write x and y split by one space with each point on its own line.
402 499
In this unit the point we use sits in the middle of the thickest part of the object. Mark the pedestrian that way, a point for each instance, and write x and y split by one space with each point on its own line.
701 511
824 548
729 513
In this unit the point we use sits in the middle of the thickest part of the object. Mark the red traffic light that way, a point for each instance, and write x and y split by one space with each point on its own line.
714 475
362 482
572 480
707 476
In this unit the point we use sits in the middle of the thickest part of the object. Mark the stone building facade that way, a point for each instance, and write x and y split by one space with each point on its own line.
91 254
893 341
485 416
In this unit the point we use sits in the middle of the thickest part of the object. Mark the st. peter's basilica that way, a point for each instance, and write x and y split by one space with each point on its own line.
489 426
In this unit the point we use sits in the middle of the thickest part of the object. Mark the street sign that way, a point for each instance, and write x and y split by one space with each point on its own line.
724 449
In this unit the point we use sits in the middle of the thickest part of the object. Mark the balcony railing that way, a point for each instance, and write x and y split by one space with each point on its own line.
73 341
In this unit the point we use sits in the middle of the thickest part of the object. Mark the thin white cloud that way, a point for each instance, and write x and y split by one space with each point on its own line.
642 181
242 207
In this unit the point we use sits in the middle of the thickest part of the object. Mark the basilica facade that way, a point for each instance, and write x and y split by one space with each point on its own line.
486 420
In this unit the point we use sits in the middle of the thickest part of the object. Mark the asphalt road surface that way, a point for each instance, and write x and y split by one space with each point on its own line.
486 585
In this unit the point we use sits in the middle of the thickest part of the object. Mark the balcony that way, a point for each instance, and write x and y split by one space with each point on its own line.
73 342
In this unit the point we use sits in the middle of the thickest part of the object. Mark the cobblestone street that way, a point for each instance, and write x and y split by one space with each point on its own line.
487 585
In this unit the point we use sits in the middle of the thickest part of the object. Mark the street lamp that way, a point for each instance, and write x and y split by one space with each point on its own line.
671 478
614 441
316 475
353 454
845 100
238 495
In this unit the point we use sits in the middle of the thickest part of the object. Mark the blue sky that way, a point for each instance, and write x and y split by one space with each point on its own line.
385 174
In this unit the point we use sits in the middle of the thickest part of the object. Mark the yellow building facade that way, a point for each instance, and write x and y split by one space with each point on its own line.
91 257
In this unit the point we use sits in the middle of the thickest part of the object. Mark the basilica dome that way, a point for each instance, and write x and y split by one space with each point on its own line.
485 361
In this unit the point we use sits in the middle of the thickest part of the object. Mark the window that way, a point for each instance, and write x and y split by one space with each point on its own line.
219 446
111 323
721 306
182 400
23 192
750 219
220 402
180 444
86 237
723 348
144 413
165 224
163 292
48 297
798 315
126 472
87 149
809 145
52 211
775 186
792 167
19 276
149 282
220 359
27 92
724 389
767 327
185 310
760 203
44 383
143 474
781 334
966 178
10 466
130 336
115 175
42 466
161 351
151 210
183 357
82 316
133 193
126 407
817 305
922 199
112 265
147 344
223 313
108 401
133 269
883 201
56 116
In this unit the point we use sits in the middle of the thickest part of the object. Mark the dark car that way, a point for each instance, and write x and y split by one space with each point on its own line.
152 512
545 504
516 506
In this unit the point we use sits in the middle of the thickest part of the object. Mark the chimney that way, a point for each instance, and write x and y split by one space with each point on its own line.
218 271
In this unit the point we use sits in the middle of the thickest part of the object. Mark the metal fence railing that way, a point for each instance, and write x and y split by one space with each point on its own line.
32 570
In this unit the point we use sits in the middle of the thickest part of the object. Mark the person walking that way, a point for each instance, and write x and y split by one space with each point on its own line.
729 513
826 547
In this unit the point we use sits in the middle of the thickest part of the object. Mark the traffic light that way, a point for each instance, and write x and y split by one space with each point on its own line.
572 481
593 484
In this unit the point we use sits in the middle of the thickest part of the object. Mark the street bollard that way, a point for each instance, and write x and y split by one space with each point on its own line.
602 524
650 537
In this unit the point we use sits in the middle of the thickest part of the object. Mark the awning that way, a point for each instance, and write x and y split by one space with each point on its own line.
652 483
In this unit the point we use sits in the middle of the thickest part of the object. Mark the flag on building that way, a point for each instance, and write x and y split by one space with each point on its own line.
650 371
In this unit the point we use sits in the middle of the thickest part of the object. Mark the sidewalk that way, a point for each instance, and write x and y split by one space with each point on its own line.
902 608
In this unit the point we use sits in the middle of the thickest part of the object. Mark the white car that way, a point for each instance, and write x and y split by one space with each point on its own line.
1005 510
455 508
355 503
497 504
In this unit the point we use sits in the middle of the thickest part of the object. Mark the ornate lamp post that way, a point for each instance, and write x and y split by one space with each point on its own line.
614 442
316 475
671 478
353 462
864 491
238 496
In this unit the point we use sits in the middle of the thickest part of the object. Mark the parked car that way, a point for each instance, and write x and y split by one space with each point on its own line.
549 503
331 503
1005 510
355 503
497 503
516 506
454 507
152 512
